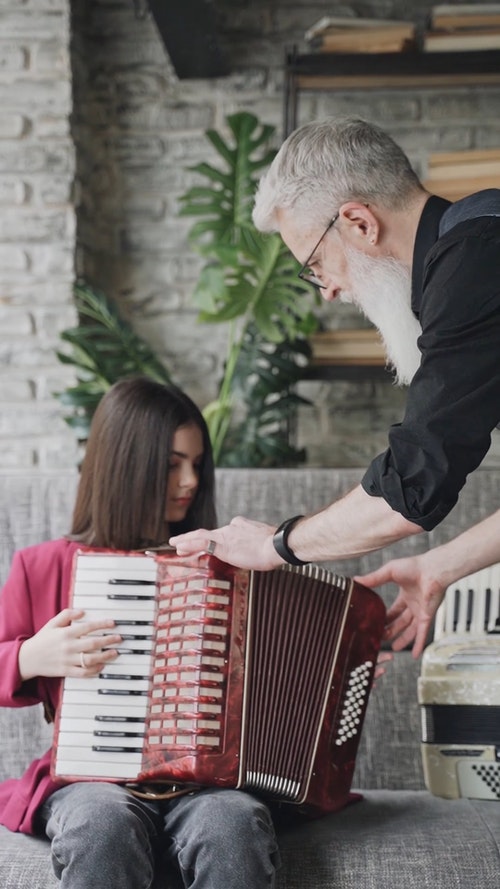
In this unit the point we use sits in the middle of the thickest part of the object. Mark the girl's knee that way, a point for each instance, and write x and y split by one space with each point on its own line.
99 809
101 836
234 813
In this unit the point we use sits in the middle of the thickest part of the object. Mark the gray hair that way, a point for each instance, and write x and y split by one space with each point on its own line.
323 164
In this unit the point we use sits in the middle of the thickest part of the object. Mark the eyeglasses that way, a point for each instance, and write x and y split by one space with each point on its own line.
305 272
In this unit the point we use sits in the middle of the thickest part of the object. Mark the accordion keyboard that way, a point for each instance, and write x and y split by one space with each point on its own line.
106 715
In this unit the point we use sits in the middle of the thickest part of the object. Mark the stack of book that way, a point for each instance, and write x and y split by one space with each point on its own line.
353 35
471 26
455 174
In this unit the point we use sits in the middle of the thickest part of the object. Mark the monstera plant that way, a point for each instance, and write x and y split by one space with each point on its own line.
103 348
249 282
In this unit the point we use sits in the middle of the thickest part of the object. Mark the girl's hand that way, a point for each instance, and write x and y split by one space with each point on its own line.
67 646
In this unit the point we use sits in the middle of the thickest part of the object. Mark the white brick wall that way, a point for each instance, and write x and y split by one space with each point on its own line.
37 230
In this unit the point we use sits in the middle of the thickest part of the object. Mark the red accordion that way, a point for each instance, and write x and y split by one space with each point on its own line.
230 678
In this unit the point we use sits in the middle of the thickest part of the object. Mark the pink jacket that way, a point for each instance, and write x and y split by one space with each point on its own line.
36 589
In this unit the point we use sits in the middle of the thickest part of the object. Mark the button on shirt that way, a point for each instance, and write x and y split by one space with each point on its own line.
454 398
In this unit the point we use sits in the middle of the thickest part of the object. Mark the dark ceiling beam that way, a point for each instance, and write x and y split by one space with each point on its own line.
188 30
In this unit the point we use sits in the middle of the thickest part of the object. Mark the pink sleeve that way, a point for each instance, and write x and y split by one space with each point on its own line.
16 625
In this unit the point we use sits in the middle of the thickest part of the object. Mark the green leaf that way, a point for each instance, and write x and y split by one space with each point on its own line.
103 349
250 282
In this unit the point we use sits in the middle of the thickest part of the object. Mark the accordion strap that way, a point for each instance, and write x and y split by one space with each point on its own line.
160 791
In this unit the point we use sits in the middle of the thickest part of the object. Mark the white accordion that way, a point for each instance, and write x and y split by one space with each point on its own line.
459 692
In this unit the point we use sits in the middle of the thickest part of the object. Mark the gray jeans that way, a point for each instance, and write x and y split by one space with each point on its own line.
103 836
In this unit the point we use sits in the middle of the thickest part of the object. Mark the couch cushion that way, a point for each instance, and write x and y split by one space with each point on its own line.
33 508
25 736
396 840
25 862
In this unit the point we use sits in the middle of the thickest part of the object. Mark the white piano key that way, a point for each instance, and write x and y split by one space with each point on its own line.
89 725
116 564
127 663
122 608
81 696
87 741
142 646
97 685
98 765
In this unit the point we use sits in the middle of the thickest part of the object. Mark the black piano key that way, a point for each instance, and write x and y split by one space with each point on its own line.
129 598
129 581
131 651
104 734
122 677
99 749
130 637
124 621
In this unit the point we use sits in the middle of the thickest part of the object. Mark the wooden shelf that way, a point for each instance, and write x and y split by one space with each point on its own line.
395 70
348 354
347 347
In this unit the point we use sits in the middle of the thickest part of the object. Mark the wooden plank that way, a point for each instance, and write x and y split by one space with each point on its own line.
454 189
469 171
392 81
470 155
347 347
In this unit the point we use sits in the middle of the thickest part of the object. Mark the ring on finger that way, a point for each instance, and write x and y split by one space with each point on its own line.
82 660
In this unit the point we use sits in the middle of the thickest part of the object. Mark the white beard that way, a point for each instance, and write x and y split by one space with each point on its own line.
383 293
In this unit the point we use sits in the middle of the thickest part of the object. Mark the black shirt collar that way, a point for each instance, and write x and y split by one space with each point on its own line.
426 237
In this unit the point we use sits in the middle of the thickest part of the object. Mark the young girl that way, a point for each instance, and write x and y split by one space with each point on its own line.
147 473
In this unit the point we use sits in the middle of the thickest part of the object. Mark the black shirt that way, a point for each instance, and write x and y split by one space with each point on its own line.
454 398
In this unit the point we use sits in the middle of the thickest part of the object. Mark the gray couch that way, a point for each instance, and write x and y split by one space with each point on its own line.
399 836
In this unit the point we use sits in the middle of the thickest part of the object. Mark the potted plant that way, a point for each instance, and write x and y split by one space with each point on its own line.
249 282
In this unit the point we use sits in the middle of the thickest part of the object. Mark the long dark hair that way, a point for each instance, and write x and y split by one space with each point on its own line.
121 497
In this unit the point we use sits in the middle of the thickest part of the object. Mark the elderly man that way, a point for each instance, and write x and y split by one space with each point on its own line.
347 203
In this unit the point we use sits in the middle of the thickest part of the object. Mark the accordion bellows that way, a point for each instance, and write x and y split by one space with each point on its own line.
230 678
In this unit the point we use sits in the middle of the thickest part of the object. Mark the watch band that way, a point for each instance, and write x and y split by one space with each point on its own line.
280 541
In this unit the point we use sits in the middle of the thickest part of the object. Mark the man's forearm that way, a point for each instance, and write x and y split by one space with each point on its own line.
357 523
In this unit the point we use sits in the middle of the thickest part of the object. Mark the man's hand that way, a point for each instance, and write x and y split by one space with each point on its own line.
244 543
383 658
410 616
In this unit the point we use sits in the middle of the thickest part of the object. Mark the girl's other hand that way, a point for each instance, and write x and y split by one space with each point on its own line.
69 646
